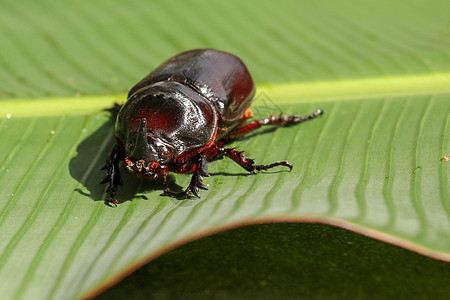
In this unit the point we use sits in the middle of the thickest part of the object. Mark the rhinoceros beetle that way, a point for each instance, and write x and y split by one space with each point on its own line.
180 116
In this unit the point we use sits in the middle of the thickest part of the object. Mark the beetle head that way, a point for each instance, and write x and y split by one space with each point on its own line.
146 154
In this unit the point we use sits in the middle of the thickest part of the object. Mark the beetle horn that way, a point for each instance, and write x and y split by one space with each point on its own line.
141 148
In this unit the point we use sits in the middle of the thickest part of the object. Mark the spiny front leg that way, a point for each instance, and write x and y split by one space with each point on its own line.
200 171
113 176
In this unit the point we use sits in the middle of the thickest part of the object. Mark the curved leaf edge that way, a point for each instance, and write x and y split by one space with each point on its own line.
345 224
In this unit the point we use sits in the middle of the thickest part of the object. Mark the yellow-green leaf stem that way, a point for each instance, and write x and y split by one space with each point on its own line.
294 92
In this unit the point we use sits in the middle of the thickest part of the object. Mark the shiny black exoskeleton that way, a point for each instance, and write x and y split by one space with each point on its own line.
179 117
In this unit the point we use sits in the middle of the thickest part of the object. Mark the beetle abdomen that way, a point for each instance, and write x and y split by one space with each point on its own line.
218 76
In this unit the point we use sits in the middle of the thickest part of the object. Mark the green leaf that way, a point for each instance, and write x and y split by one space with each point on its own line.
287 261
374 163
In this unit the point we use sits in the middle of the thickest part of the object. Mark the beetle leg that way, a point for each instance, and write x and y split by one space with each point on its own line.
281 121
113 175
249 164
200 171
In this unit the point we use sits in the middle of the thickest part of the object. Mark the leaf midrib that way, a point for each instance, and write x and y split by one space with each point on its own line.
293 92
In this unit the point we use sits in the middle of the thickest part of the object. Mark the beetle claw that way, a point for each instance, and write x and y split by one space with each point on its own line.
167 192
202 186
111 201
194 190
182 195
